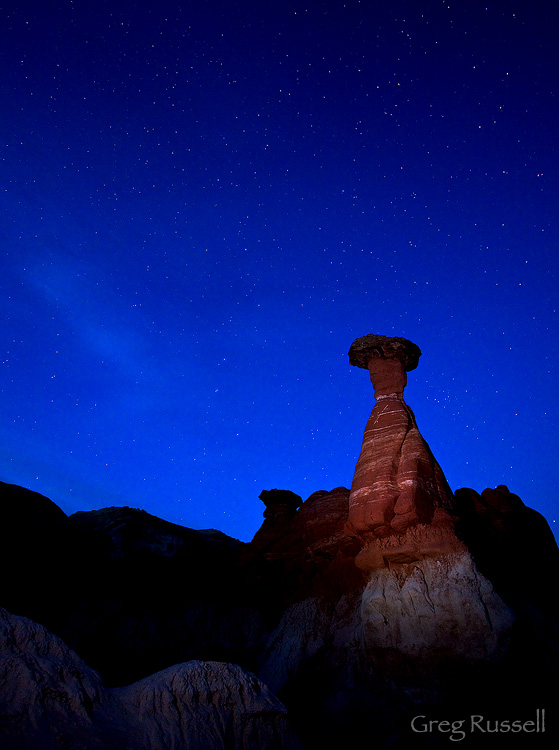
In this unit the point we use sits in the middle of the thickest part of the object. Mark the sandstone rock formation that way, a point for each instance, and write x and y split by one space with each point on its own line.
280 509
45 688
429 627
397 483
131 593
50 699
358 610
511 544
434 610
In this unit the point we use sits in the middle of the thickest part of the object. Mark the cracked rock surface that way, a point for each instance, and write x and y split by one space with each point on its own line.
49 698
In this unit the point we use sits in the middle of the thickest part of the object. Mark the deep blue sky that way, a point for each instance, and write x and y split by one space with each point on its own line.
205 203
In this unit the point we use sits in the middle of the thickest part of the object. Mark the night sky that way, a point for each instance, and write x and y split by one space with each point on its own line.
203 205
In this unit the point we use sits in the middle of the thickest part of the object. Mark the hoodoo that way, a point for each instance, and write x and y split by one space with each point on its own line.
397 483
350 614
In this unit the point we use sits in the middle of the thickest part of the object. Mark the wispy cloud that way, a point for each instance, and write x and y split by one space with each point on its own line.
93 310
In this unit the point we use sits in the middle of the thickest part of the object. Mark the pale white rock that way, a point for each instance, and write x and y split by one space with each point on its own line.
49 699
199 705
433 608
309 629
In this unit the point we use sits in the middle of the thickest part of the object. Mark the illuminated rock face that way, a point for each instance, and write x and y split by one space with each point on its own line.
397 483
351 632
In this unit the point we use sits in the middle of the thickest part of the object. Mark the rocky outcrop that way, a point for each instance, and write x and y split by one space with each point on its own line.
397 483
319 521
511 544
358 609
201 705
348 633
129 532
46 690
280 509
435 610
423 630
50 699
132 593
21 506
313 554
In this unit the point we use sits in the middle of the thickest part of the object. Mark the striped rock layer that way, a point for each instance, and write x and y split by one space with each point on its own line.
397 482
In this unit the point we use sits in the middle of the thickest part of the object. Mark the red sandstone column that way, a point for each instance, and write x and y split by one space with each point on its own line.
397 482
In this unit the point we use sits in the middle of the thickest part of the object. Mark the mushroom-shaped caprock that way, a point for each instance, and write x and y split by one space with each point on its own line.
387 358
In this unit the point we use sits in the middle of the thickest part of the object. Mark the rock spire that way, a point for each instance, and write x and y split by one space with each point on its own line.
397 483
281 506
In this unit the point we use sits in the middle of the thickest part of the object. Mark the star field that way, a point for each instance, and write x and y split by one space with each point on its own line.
204 204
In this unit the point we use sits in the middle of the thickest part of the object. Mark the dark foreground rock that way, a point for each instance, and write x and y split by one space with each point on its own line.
129 592
345 636
49 698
